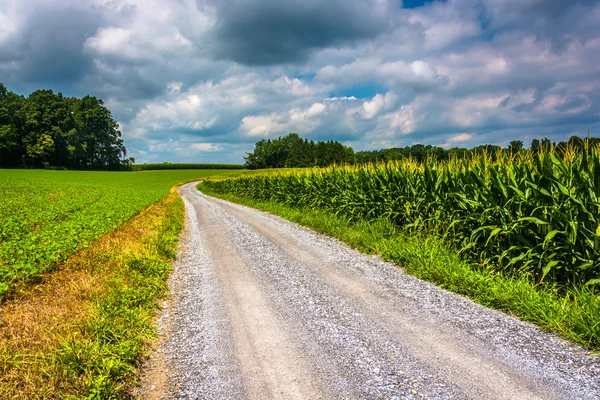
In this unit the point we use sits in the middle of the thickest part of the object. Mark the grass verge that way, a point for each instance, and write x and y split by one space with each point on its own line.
82 330
575 315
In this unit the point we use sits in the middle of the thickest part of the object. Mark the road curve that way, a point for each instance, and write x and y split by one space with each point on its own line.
265 309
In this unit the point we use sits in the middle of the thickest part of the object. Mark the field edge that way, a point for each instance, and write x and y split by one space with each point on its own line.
83 330
574 315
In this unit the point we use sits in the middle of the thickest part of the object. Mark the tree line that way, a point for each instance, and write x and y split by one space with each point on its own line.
292 151
419 152
49 130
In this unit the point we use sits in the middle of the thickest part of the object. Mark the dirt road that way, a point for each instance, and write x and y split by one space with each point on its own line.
264 309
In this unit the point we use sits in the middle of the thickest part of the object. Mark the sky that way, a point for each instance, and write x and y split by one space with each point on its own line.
203 80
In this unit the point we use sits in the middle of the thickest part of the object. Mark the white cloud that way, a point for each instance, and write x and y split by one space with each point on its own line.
403 120
458 140
343 98
174 87
205 147
488 69
377 104
444 24
8 26
418 75
304 120
315 109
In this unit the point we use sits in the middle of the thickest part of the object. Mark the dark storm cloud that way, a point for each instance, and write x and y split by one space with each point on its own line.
125 84
561 21
204 80
273 31
48 48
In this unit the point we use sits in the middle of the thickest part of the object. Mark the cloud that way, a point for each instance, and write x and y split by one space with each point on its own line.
342 98
377 104
205 147
204 80
457 140
418 75
273 32
294 120
41 45
444 24
210 109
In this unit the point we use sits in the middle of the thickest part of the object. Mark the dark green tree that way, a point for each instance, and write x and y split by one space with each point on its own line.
11 146
546 144
515 146
535 146
46 130
292 151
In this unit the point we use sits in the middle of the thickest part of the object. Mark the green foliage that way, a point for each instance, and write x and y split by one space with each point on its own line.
111 340
114 336
573 312
49 130
515 146
45 216
292 151
531 215
420 152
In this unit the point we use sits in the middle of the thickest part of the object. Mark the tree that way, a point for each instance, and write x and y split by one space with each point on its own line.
49 130
515 146
293 151
11 146
546 144
535 146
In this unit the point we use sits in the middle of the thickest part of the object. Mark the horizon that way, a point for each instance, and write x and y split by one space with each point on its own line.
192 82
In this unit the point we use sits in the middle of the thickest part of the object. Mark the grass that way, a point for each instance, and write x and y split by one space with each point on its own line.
81 332
574 314
528 213
46 216
98 248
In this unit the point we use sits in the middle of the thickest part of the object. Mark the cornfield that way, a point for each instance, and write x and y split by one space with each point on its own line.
528 214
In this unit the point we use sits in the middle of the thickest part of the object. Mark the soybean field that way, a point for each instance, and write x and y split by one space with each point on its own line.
45 216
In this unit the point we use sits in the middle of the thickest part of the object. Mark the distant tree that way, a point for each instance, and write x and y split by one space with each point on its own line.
576 142
515 146
49 130
293 151
457 153
489 149
535 146
11 146
546 144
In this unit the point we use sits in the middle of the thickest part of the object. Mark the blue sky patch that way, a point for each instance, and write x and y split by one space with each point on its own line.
204 81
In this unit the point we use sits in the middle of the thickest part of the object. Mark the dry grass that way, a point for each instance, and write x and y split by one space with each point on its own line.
40 317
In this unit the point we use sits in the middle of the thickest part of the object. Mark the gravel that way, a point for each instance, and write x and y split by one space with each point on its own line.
353 326
198 347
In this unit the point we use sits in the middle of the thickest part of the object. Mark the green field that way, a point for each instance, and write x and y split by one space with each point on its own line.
530 215
519 233
45 216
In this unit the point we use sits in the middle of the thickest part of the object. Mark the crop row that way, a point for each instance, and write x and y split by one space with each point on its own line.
45 216
533 215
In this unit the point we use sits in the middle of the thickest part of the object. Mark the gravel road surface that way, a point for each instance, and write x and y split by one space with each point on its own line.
265 309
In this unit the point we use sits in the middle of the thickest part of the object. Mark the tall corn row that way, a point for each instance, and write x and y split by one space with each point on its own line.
534 214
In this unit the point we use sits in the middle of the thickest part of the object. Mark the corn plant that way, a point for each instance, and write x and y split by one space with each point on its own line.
532 214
